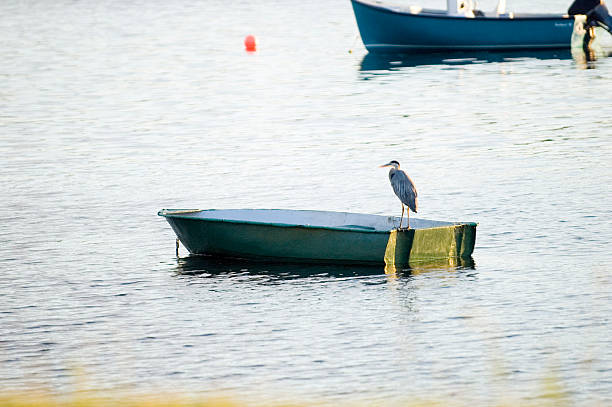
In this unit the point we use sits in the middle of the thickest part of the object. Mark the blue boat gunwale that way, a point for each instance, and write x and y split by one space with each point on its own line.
184 215
517 17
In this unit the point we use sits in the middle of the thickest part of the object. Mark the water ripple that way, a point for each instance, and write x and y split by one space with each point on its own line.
111 111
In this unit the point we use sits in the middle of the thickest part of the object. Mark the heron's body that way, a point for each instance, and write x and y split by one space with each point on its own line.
404 189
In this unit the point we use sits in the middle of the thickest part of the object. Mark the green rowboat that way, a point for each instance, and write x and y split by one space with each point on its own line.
318 236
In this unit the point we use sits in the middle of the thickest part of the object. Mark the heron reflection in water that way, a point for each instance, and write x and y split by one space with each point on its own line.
404 189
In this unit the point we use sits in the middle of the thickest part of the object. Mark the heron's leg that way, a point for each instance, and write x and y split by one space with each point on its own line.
408 217
401 217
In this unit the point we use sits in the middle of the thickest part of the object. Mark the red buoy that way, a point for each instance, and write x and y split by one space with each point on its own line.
250 43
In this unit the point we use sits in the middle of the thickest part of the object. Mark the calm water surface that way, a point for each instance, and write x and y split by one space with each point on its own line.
110 111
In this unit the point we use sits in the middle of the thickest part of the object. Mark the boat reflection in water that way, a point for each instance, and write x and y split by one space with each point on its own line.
380 62
393 62
211 266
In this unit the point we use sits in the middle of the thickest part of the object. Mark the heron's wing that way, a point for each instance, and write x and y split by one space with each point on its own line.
404 189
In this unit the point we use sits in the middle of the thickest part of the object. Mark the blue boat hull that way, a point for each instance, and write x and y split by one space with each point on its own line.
391 30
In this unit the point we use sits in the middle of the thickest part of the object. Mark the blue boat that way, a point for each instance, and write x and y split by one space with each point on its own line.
386 28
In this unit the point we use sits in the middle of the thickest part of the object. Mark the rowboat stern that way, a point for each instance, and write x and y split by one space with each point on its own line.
409 246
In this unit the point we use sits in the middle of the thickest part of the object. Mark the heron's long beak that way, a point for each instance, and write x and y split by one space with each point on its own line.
386 165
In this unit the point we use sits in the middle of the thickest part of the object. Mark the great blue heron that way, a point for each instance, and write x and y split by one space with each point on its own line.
403 188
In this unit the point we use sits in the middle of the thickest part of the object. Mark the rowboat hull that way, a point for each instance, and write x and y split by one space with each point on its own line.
315 236
393 30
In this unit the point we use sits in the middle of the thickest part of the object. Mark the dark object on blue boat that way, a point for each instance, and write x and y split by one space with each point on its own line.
582 7
596 11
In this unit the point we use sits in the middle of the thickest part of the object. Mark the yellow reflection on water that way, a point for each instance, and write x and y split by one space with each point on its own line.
451 264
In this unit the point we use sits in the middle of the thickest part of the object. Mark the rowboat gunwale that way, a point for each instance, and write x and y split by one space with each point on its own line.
183 214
